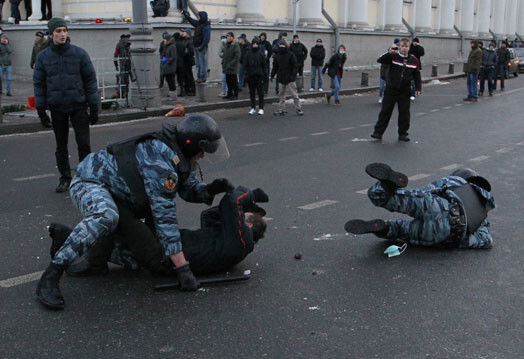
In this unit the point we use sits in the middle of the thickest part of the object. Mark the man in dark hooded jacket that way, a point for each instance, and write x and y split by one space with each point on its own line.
487 70
275 48
265 46
200 42
503 56
254 64
300 52
285 67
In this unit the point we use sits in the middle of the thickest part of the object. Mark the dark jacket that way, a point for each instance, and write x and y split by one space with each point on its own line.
317 54
418 52
5 54
285 67
300 52
64 79
274 44
121 55
180 50
489 58
202 30
255 63
37 47
503 56
335 63
267 46
189 52
170 52
243 50
231 58
474 60
402 70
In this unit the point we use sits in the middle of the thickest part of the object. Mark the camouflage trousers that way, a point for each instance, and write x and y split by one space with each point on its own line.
430 225
100 219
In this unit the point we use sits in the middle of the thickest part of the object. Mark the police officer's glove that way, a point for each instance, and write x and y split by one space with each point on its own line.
93 115
44 118
259 195
187 280
218 186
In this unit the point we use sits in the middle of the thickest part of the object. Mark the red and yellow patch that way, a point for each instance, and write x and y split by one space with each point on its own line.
170 182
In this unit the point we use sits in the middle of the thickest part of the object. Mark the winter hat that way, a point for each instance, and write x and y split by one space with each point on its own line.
492 44
505 42
282 42
188 31
164 34
56 22
295 36
416 39
39 33
396 41
319 40
256 40
230 34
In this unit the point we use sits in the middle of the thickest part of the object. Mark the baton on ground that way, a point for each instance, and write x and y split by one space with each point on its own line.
167 286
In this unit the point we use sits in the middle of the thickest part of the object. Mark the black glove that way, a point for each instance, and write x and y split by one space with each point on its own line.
187 280
93 115
259 195
44 118
218 186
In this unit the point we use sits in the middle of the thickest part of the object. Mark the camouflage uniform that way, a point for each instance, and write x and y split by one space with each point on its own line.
430 209
97 182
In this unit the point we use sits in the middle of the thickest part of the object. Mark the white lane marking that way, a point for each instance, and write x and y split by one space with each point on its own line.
20 179
318 133
329 237
20 280
458 104
363 140
504 150
451 167
288 138
520 143
446 107
364 191
316 205
420 114
418 177
435 110
254 144
346 128
479 158
367 125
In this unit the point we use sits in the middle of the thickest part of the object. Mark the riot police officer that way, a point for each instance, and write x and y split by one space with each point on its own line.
143 173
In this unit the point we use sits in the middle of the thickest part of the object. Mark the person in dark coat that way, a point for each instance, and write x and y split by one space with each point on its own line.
300 52
160 52
200 42
39 44
335 69
472 69
230 63
275 48
503 57
418 51
487 70
284 67
189 62
244 48
255 67
122 61
317 54
168 64
180 49
268 52
67 94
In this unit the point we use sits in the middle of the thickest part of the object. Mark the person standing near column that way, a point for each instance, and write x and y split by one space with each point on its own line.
67 94
200 42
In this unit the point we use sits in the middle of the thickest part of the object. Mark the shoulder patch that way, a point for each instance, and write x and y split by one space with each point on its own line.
176 160
170 181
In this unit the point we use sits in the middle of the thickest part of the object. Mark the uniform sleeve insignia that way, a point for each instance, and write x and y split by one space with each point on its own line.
170 181
176 160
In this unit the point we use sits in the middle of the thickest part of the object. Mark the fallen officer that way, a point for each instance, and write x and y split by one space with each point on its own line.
144 173
450 212
227 234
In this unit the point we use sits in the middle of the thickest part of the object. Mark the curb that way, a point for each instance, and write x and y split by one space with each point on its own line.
8 129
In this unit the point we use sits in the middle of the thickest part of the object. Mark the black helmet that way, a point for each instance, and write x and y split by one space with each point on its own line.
199 133
473 177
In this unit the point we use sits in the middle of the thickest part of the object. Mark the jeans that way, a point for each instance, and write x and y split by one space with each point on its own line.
224 84
336 82
382 87
314 71
472 85
7 70
201 63
500 70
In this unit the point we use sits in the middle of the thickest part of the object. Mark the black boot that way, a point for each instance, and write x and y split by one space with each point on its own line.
182 93
48 291
359 226
59 233
389 178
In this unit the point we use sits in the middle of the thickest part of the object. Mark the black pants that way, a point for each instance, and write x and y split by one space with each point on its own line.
500 71
15 11
232 85
388 104
487 73
46 4
170 79
80 122
180 78
189 80
256 84
300 69
266 78
28 8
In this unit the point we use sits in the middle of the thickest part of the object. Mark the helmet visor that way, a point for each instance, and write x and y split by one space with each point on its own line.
217 150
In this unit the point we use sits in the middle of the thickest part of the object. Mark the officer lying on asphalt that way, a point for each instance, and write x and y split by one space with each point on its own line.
227 234
144 173
450 212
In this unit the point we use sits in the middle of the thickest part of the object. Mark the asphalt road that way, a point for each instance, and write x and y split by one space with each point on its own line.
344 299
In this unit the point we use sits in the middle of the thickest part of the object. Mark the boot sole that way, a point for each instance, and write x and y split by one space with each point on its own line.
383 172
359 226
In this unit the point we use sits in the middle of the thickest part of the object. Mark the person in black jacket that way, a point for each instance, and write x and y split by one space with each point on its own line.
189 62
168 61
122 61
284 66
418 51
227 234
255 67
317 54
180 49
404 68
65 82
300 52
503 57
487 70
244 48
265 46
335 67
282 35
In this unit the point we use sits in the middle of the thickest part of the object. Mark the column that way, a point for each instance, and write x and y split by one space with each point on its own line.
56 7
250 10
483 17
467 9
358 13
37 13
497 19
393 15
520 21
447 16
310 12
511 18
423 15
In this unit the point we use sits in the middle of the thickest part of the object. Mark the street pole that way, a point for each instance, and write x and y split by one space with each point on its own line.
295 2
144 91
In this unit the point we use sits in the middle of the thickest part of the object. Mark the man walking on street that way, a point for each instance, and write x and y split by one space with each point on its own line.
200 42
503 56
285 67
487 70
317 54
66 94
6 69
472 69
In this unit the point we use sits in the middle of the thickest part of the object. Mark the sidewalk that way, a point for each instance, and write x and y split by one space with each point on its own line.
28 121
